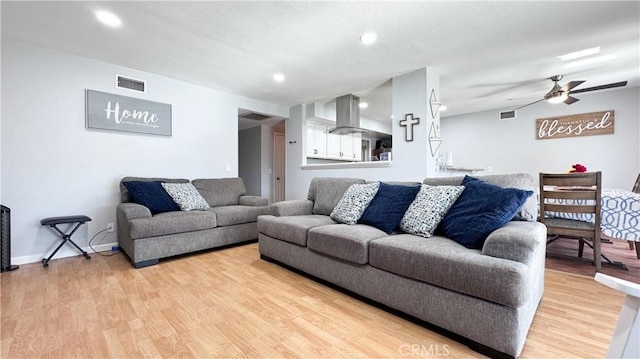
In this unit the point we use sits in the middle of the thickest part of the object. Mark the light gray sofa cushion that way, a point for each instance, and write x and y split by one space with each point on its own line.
124 194
293 229
528 212
230 215
170 223
325 192
221 191
447 264
343 241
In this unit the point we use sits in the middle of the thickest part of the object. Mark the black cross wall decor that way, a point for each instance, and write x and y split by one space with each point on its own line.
408 123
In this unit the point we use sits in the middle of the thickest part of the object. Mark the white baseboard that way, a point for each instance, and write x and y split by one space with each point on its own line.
64 252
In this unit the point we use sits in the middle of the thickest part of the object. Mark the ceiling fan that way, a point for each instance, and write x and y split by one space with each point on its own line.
559 94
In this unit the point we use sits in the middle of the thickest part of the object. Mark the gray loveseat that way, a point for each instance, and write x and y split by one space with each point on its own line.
488 296
146 238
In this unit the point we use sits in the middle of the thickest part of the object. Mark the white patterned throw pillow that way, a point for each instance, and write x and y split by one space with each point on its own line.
186 196
354 202
427 210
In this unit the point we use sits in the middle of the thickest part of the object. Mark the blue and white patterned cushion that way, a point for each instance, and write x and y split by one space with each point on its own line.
620 213
186 196
354 202
427 210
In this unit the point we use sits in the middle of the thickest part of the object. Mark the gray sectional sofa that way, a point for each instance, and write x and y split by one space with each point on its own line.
146 238
486 296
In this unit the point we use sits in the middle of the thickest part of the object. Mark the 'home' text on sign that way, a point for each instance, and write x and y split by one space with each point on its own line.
107 111
585 124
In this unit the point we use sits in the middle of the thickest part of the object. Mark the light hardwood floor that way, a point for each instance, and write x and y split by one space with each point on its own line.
229 303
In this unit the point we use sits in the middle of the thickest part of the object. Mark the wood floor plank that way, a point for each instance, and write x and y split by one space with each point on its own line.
231 304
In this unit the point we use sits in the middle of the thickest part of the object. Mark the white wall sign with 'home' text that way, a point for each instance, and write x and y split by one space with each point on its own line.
121 113
585 124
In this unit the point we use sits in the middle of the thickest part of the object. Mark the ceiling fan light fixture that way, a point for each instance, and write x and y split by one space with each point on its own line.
558 97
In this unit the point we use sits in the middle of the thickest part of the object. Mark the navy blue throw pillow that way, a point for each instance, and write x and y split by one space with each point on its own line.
481 209
151 195
388 206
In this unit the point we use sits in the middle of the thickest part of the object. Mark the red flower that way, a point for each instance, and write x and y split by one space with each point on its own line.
578 168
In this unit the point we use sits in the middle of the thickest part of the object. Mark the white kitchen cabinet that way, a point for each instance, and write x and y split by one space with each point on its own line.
316 140
344 147
357 147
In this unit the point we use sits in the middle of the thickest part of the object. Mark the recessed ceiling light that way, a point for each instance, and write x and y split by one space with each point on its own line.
278 77
108 18
579 54
368 38
443 108
591 60
363 105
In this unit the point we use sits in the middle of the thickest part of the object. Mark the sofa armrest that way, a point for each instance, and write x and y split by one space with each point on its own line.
516 241
292 208
253 201
129 211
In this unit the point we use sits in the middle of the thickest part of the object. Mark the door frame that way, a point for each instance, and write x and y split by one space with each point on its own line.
276 155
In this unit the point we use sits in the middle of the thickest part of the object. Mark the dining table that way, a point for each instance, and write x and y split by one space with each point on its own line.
620 214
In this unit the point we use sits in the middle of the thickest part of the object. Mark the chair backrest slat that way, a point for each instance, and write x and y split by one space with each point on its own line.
570 179
568 208
636 187
570 194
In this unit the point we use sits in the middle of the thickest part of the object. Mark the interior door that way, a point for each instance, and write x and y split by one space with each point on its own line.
278 167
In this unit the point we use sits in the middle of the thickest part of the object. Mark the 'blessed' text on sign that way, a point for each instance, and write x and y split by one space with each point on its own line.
586 124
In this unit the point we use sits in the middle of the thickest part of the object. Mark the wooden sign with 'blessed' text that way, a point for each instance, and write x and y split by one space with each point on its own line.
585 124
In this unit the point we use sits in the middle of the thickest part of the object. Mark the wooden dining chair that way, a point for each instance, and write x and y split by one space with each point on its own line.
636 187
568 195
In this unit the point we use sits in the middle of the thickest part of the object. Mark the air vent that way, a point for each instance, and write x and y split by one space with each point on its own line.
507 115
130 84
255 116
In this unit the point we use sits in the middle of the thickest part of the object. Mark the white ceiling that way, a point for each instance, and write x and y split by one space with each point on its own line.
487 53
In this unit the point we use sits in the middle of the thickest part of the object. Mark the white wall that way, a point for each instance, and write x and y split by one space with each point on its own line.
53 166
481 140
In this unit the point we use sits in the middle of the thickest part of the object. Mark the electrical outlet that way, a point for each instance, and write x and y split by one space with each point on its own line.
110 227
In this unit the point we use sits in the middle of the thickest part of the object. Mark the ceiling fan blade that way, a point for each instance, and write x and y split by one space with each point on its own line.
571 84
571 100
601 87
529 104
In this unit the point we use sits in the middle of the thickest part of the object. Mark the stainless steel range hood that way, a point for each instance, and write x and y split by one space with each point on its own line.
347 115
